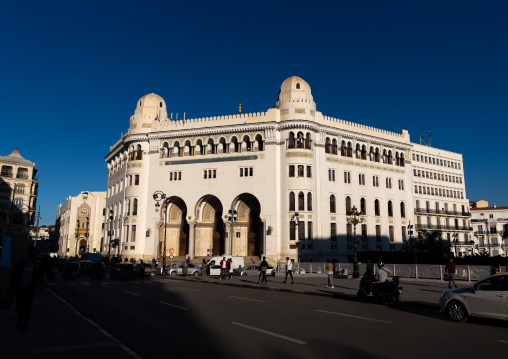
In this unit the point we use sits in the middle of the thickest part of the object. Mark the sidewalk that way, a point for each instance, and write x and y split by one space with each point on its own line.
416 292
54 331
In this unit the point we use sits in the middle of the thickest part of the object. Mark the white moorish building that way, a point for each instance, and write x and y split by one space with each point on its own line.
80 224
277 183
490 228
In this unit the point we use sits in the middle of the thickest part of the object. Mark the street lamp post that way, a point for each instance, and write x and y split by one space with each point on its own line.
354 217
161 196
410 233
295 218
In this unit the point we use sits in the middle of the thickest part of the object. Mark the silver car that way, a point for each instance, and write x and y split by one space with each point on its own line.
191 270
254 271
487 298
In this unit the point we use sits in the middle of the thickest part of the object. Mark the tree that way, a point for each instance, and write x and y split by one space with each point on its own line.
431 242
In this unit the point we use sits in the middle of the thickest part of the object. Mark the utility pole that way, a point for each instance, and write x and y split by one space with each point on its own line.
37 228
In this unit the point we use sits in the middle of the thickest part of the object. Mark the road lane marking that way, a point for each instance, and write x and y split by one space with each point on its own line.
173 305
254 300
503 341
354 316
192 290
297 341
137 295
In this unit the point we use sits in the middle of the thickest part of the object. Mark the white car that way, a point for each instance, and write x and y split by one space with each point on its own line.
487 298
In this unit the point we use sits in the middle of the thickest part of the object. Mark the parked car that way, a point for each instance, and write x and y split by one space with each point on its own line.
123 270
487 298
85 266
254 271
192 270
150 270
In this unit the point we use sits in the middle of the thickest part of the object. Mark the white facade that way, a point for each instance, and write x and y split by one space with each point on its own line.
490 228
80 224
234 183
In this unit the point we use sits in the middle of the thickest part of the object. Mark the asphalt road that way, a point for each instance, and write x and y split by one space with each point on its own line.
158 316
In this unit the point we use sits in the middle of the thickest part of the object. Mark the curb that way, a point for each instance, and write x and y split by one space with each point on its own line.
328 295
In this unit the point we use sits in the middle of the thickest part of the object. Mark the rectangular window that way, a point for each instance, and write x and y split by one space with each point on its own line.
292 231
349 232
364 232
246 172
375 181
133 233
209 174
333 232
361 179
388 182
291 171
331 175
309 171
301 231
347 177
300 171
309 231
136 180
392 234
401 185
175 176
378 233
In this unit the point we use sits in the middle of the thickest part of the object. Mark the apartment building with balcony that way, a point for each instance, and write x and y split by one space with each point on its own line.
439 196
490 228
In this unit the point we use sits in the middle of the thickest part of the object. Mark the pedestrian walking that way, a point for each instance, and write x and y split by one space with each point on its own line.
25 276
230 268
329 272
450 270
223 268
263 267
289 271
141 269
239 271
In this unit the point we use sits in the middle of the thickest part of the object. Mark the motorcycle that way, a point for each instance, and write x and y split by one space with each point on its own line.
387 292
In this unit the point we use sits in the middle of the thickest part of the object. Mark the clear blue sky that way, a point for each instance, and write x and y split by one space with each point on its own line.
72 72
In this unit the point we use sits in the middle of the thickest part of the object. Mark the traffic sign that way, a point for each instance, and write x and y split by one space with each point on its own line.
171 251
171 256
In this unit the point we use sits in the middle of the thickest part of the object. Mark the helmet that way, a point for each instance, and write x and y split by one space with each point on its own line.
380 264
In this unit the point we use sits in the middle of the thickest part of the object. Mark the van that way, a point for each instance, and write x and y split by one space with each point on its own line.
215 261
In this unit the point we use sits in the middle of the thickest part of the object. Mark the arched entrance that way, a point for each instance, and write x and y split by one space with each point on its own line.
177 229
209 238
248 228
81 246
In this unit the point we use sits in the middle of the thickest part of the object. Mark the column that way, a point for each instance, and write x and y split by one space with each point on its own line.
192 238
229 241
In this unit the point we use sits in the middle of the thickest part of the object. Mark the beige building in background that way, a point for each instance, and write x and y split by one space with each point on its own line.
18 199
490 228
80 224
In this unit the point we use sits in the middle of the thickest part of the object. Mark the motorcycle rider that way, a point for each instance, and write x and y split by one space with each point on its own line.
382 273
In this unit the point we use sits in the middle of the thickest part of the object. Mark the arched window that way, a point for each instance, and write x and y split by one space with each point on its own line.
397 159
390 209
327 145
259 143
128 207
363 206
343 148
301 201
246 145
291 201
332 204
222 145
198 149
385 157
334 147
210 147
390 161
376 208
139 153
372 155
377 155
402 210
364 152
358 151
309 201
308 141
349 149
135 207
233 145
291 140
348 204
402 159
187 148
299 140
297 85
176 149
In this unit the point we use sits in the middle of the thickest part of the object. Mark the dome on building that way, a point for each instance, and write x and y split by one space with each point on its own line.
152 100
295 90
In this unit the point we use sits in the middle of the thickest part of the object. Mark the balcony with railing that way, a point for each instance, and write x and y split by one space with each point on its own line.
443 227
441 211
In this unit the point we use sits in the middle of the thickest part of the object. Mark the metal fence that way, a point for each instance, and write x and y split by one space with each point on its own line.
418 271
